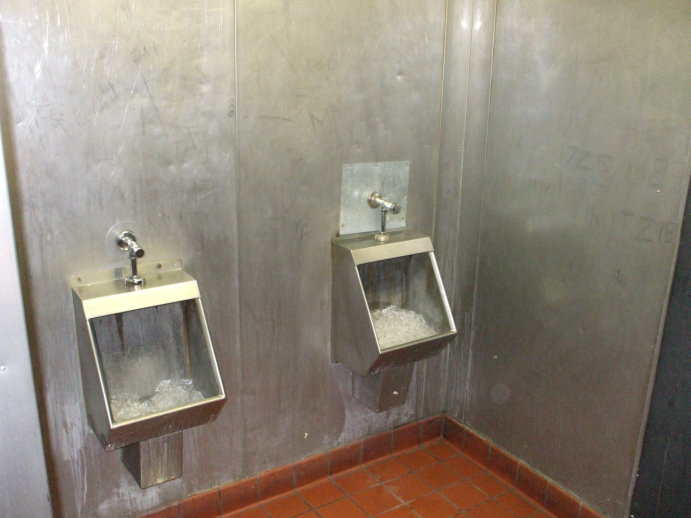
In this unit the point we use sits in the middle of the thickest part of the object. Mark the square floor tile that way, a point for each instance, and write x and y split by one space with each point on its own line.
285 506
341 509
464 495
416 459
489 484
321 493
356 480
438 475
408 487
433 506
489 510
463 465
399 512
387 469
375 500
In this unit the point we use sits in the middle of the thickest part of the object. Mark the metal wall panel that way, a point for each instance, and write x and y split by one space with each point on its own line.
23 476
586 170
320 84
123 111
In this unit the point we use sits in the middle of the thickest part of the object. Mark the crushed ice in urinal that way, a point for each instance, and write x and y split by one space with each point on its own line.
394 325
169 393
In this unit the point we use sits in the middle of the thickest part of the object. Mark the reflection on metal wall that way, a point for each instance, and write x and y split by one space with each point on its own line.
586 169
126 111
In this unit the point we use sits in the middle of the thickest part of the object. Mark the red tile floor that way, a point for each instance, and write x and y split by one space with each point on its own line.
434 480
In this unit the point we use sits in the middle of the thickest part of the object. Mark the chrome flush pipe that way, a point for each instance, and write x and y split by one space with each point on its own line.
126 240
376 200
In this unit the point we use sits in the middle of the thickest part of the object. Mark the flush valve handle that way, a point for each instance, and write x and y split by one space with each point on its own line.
376 200
126 240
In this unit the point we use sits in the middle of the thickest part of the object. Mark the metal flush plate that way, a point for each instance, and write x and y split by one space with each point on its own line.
359 181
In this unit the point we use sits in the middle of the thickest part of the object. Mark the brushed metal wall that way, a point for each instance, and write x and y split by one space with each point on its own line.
23 476
123 112
224 149
587 162
321 84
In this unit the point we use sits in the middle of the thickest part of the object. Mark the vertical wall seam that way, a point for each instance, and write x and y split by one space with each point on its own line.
440 119
459 205
481 229
459 209
236 254
457 212
440 129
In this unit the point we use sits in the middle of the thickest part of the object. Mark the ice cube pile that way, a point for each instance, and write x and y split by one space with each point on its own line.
394 325
169 393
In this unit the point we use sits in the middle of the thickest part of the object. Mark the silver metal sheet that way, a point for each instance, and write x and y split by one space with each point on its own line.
586 169
321 84
123 112
23 476
359 181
